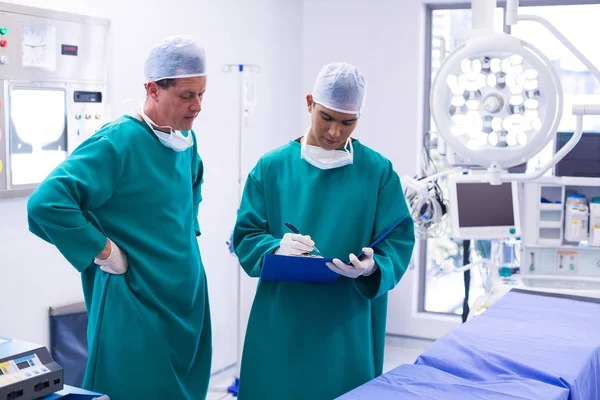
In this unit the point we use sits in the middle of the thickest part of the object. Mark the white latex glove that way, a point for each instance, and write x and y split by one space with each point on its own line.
295 245
116 263
364 267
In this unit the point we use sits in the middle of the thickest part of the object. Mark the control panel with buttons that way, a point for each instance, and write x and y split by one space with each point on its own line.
27 371
87 113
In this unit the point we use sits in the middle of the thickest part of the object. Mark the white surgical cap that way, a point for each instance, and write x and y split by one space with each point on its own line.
340 87
175 57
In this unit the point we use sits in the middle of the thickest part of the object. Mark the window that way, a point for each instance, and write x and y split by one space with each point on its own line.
579 85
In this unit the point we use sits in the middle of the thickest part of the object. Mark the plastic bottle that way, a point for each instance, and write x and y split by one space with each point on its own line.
595 222
576 218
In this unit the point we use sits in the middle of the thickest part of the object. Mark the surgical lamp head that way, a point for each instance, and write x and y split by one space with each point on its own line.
496 100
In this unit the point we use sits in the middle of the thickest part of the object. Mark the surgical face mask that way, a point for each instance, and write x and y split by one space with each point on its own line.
174 140
327 159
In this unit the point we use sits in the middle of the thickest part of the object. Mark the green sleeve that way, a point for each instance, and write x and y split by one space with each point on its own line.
82 183
251 237
393 254
197 180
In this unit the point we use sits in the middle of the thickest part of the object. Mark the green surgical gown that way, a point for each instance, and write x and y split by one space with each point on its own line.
149 331
315 341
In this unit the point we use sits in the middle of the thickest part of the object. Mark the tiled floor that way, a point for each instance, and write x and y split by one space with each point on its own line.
398 350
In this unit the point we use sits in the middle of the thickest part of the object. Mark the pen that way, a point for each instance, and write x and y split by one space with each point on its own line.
297 232
383 236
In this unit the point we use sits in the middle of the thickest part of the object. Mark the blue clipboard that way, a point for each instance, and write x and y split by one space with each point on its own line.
307 269
296 269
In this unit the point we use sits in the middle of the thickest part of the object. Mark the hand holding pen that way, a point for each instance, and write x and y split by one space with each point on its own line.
297 232
295 244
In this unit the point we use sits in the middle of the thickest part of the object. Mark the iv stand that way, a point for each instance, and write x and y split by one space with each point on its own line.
240 68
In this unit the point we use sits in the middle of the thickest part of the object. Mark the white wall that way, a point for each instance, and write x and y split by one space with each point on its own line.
264 32
385 39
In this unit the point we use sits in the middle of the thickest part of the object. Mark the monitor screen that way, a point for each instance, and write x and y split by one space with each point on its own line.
583 160
481 204
23 365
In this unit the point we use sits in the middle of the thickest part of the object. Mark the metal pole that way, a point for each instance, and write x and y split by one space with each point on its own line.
240 167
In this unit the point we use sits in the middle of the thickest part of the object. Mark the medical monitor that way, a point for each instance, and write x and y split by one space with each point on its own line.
583 159
479 210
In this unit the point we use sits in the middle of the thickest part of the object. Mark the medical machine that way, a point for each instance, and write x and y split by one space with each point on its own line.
27 371
497 102
556 248
52 91
482 211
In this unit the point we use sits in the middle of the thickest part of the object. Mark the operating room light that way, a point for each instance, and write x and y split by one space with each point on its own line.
508 93
512 100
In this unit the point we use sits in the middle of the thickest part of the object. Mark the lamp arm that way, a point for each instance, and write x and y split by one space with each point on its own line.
553 161
584 60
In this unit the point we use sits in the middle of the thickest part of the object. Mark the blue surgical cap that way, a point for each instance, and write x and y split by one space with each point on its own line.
175 57
340 87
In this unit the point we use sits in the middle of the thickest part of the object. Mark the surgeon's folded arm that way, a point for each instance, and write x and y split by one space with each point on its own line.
82 183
